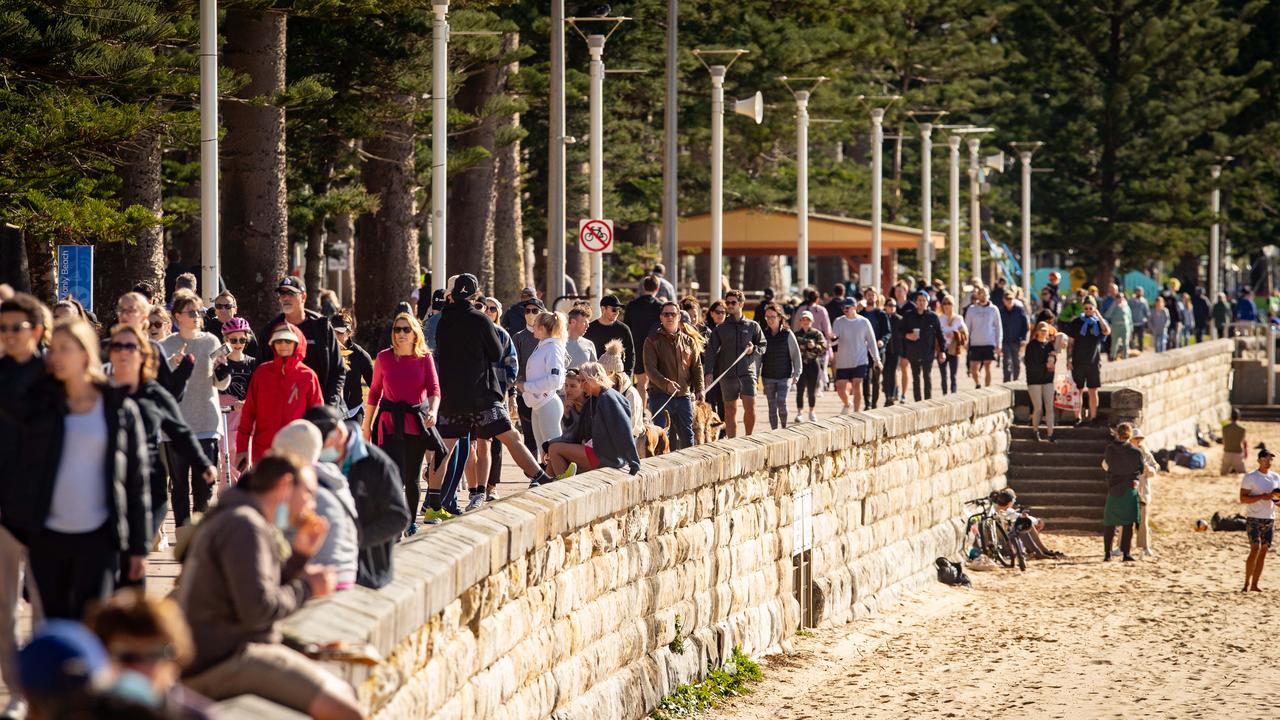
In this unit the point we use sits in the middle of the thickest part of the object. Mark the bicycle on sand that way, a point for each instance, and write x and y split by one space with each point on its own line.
986 533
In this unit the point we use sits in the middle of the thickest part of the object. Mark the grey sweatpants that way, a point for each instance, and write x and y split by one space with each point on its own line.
1041 402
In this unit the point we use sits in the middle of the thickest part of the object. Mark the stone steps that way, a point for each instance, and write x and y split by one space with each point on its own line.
1049 460
1074 525
1085 512
1093 471
1068 433
1037 487
1060 445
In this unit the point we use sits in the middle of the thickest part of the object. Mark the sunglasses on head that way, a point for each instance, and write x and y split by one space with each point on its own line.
16 327
225 306
122 347
400 329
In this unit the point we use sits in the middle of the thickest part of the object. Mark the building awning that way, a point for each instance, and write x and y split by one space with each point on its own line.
773 232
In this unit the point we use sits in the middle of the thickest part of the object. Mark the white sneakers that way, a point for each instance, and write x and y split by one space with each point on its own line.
15 710
1149 553
846 409
812 417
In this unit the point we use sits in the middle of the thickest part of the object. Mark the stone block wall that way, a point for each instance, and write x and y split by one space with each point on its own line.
1180 388
564 601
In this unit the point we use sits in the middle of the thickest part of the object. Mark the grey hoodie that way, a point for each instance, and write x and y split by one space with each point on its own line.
334 503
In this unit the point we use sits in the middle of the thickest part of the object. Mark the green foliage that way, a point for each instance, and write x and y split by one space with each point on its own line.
732 680
677 643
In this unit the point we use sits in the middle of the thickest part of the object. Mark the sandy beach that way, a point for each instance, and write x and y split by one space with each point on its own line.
1169 637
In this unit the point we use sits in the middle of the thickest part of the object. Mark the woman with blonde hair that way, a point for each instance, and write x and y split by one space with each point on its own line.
544 375
1041 358
611 361
89 498
403 400
609 445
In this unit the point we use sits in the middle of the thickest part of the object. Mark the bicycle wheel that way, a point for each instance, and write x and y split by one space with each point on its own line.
1015 542
994 541
972 539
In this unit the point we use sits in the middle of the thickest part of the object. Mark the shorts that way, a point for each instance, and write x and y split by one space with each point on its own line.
1086 376
853 373
481 425
982 353
592 458
732 388
1232 463
273 672
1260 531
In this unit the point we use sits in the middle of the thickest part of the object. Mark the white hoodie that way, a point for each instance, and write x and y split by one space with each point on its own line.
984 324
544 373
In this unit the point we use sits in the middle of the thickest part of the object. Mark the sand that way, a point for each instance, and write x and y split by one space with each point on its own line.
1171 637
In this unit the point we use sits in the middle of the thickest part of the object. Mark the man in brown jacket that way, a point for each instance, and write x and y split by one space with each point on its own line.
673 362
239 577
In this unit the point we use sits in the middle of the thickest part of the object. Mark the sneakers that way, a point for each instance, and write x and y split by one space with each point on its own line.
1037 435
846 409
1049 439
1148 552
490 497
568 472
476 502
1116 553
435 517
1130 558
15 710
812 417
411 530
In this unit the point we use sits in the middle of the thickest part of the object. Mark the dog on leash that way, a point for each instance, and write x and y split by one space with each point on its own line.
653 441
706 423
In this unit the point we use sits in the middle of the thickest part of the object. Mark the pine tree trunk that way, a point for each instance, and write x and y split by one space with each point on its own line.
315 261
509 271
13 259
831 270
738 272
254 226
344 233
40 266
388 245
187 238
472 191
763 271
120 266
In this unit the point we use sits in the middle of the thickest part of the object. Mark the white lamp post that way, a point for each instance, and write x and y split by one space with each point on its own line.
877 179
926 188
209 260
1215 254
439 139
802 174
1025 152
975 211
556 213
670 152
753 107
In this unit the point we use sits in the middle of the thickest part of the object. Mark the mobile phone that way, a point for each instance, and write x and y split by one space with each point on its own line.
223 349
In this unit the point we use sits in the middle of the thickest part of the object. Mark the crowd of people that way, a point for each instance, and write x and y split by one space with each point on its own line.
296 431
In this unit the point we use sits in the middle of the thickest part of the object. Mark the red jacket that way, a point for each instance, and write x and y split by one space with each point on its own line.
280 391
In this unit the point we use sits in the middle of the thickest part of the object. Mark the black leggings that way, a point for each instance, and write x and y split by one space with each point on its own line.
408 454
73 570
187 482
495 461
922 374
871 386
808 385
1126 538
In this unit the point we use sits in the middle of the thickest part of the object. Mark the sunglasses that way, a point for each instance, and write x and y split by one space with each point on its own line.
122 347
490 308
15 328
237 341
144 657
531 311
192 313
670 314
156 324
286 293
718 311
401 329
225 306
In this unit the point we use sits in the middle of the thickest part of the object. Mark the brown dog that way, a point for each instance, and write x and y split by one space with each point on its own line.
706 423
653 442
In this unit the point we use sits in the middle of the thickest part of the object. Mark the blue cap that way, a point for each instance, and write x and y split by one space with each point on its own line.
849 302
62 656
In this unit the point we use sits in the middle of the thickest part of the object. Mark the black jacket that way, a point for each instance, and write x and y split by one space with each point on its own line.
159 412
380 507
359 368
600 334
1015 325
172 379
728 341
641 318
1201 309
17 383
323 355
127 466
930 342
880 327
465 366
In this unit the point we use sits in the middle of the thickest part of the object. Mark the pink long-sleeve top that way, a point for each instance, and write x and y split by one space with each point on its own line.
401 378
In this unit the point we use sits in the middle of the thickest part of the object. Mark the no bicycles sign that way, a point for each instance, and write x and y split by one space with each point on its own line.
596 236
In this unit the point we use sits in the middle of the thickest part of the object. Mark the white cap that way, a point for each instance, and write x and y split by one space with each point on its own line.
300 438
1137 432
806 315
283 332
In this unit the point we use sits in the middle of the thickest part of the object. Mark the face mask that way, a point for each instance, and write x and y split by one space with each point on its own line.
329 455
282 517
135 687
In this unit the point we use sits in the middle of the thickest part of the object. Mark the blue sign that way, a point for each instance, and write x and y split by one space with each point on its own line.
75 273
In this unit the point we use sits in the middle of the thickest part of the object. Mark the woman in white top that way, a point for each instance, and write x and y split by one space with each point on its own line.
954 336
200 407
544 375
88 503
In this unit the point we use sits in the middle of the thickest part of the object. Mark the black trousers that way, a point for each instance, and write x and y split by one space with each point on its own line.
1109 537
889 378
871 386
408 454
73 570
808 385
922 376
159 489
495 461
526 427
187 483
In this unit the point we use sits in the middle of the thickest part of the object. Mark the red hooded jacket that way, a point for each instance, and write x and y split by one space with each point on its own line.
280 391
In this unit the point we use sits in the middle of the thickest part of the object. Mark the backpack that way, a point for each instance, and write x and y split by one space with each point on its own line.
951 573
1233 523
1187 459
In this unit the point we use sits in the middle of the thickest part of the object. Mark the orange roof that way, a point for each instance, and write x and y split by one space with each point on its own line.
772 231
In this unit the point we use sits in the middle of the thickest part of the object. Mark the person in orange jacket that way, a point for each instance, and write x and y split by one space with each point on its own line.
280 391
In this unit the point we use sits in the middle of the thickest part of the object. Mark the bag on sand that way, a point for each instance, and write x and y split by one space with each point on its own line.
1187 459
1067 396
951 573
1233 523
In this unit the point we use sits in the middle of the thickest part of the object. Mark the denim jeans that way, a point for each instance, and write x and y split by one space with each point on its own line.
948 370
678 415
1011 362
1161 341
775 391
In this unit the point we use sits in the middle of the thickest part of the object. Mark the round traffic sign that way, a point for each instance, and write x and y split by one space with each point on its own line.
596 235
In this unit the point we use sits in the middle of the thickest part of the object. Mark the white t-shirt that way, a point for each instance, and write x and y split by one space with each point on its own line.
1258 483
79 490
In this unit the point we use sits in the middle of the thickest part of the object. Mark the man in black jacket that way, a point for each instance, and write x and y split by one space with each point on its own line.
879 320
921 338
375 485
607 328
642 320
323 354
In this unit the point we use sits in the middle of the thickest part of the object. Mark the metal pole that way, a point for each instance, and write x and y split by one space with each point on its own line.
926 201
595 46
439 140
717 179
877 183
209 260
953 216
556 158
1027 269
1215 262
975 213
802 188
1269 336
670 153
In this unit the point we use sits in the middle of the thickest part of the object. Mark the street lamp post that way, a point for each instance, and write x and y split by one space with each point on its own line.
802 174
439 139
1025 152
975 210
1215 207
926 187
953 214
595 46
209 260
877 179
556 213
670 152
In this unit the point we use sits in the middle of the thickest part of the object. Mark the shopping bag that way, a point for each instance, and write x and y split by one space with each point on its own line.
1067 396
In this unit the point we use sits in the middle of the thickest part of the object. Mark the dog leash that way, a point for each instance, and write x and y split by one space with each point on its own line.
732 365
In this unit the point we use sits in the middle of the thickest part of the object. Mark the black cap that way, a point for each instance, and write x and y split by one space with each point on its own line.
465 286
1265 453
324 417
291 283
610 301
404 307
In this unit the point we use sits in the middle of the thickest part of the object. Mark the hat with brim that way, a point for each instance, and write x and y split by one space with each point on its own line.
1265 453
284 333
1137 433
